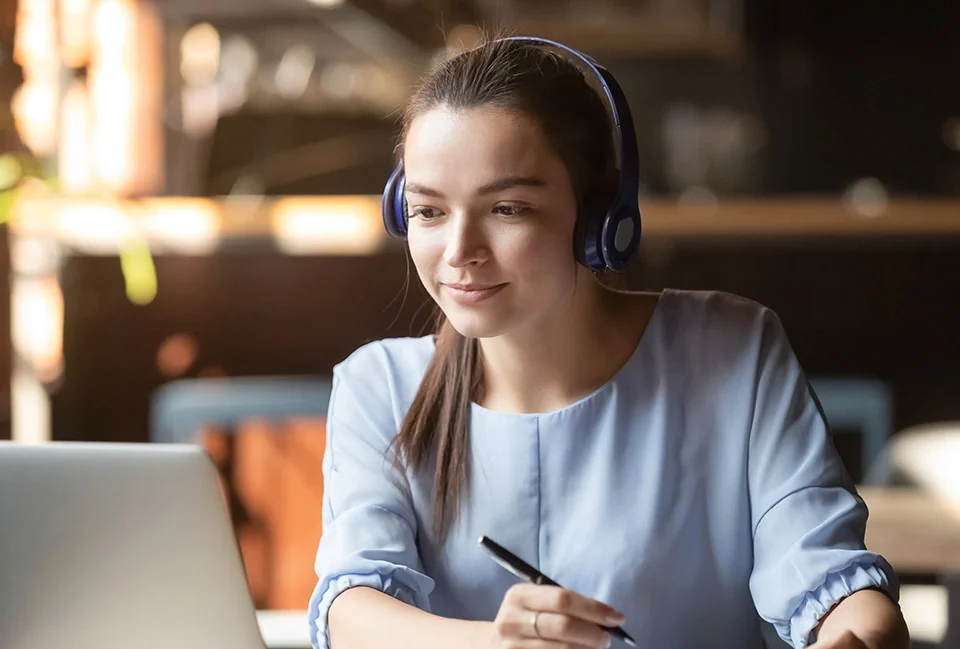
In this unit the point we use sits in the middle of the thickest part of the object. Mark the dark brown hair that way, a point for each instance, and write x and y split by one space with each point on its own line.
539 83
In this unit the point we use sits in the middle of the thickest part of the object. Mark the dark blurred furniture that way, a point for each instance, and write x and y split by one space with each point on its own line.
181 410
862 407
294 152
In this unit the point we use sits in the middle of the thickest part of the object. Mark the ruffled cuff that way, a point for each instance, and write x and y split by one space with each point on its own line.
389 582
872 573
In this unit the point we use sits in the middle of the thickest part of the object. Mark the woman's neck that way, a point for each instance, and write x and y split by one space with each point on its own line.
566 357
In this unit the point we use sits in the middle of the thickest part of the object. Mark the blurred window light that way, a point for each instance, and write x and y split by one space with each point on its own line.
294 71
238 60
36 332
33 255
867 197
113 116
200 54
124 97
94 227
35 44
182 225
30 408
326 4
230 96
34 109
75 157
113 94
337 225
199 109
926 612
75 16
36 48
927 456
112 25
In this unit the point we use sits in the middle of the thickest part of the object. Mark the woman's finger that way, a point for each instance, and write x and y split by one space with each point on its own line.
554 599
570 630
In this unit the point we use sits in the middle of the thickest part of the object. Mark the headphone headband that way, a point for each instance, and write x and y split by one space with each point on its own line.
608 235
619 109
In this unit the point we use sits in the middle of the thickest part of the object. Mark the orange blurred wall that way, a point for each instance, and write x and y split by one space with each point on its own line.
277 478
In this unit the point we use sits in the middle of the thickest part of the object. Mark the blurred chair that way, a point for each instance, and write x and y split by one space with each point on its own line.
862 405
180 409
271 472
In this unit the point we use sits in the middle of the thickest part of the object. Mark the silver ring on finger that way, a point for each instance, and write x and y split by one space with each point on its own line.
536 616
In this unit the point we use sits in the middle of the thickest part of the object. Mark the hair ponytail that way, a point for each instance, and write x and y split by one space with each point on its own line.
438 422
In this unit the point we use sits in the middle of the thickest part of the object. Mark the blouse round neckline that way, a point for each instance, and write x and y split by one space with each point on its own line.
649 332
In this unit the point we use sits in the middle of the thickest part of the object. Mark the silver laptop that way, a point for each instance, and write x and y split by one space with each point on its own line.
113 546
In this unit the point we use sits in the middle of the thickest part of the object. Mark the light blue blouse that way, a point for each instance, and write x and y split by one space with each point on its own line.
695 489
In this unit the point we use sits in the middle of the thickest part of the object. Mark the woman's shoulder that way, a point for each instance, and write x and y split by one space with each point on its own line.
374 386
391 367
717 306
407 355
716 342
715 320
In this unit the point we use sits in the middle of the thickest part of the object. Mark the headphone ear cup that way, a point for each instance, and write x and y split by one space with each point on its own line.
394 205
589 231
621 237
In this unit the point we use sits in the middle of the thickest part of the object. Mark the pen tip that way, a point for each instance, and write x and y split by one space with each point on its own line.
630 642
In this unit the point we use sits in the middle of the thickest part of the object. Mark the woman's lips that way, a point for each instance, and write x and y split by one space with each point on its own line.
471 293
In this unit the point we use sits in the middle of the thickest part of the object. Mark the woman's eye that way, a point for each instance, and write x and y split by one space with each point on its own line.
425 213
510 210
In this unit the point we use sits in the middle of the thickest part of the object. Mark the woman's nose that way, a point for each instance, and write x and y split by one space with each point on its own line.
466 243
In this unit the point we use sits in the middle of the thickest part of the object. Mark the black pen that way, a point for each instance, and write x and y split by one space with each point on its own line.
525 571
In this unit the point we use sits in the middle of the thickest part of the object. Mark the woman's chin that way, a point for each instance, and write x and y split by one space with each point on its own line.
475 325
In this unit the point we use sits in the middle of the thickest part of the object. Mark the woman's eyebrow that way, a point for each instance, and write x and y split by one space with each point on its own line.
423 190
498 185
510 182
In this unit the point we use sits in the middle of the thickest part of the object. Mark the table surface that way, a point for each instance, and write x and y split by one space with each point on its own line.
284 629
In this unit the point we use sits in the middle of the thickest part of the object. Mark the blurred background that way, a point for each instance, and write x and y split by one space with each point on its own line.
190 208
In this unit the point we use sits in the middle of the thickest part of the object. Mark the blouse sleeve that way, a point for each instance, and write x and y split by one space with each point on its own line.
808 521
369 527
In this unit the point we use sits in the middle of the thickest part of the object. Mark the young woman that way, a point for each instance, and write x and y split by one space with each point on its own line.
659 455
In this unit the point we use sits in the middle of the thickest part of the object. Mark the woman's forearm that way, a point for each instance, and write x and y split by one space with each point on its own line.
871 616
365 618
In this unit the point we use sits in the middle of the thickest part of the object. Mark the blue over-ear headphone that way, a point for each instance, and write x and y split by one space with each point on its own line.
608 230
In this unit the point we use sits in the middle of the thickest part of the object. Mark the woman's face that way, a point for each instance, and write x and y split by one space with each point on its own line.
492 214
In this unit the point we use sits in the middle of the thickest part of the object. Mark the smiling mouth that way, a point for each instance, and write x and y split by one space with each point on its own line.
471 294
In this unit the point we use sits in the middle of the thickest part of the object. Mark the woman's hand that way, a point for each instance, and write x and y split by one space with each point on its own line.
549 617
